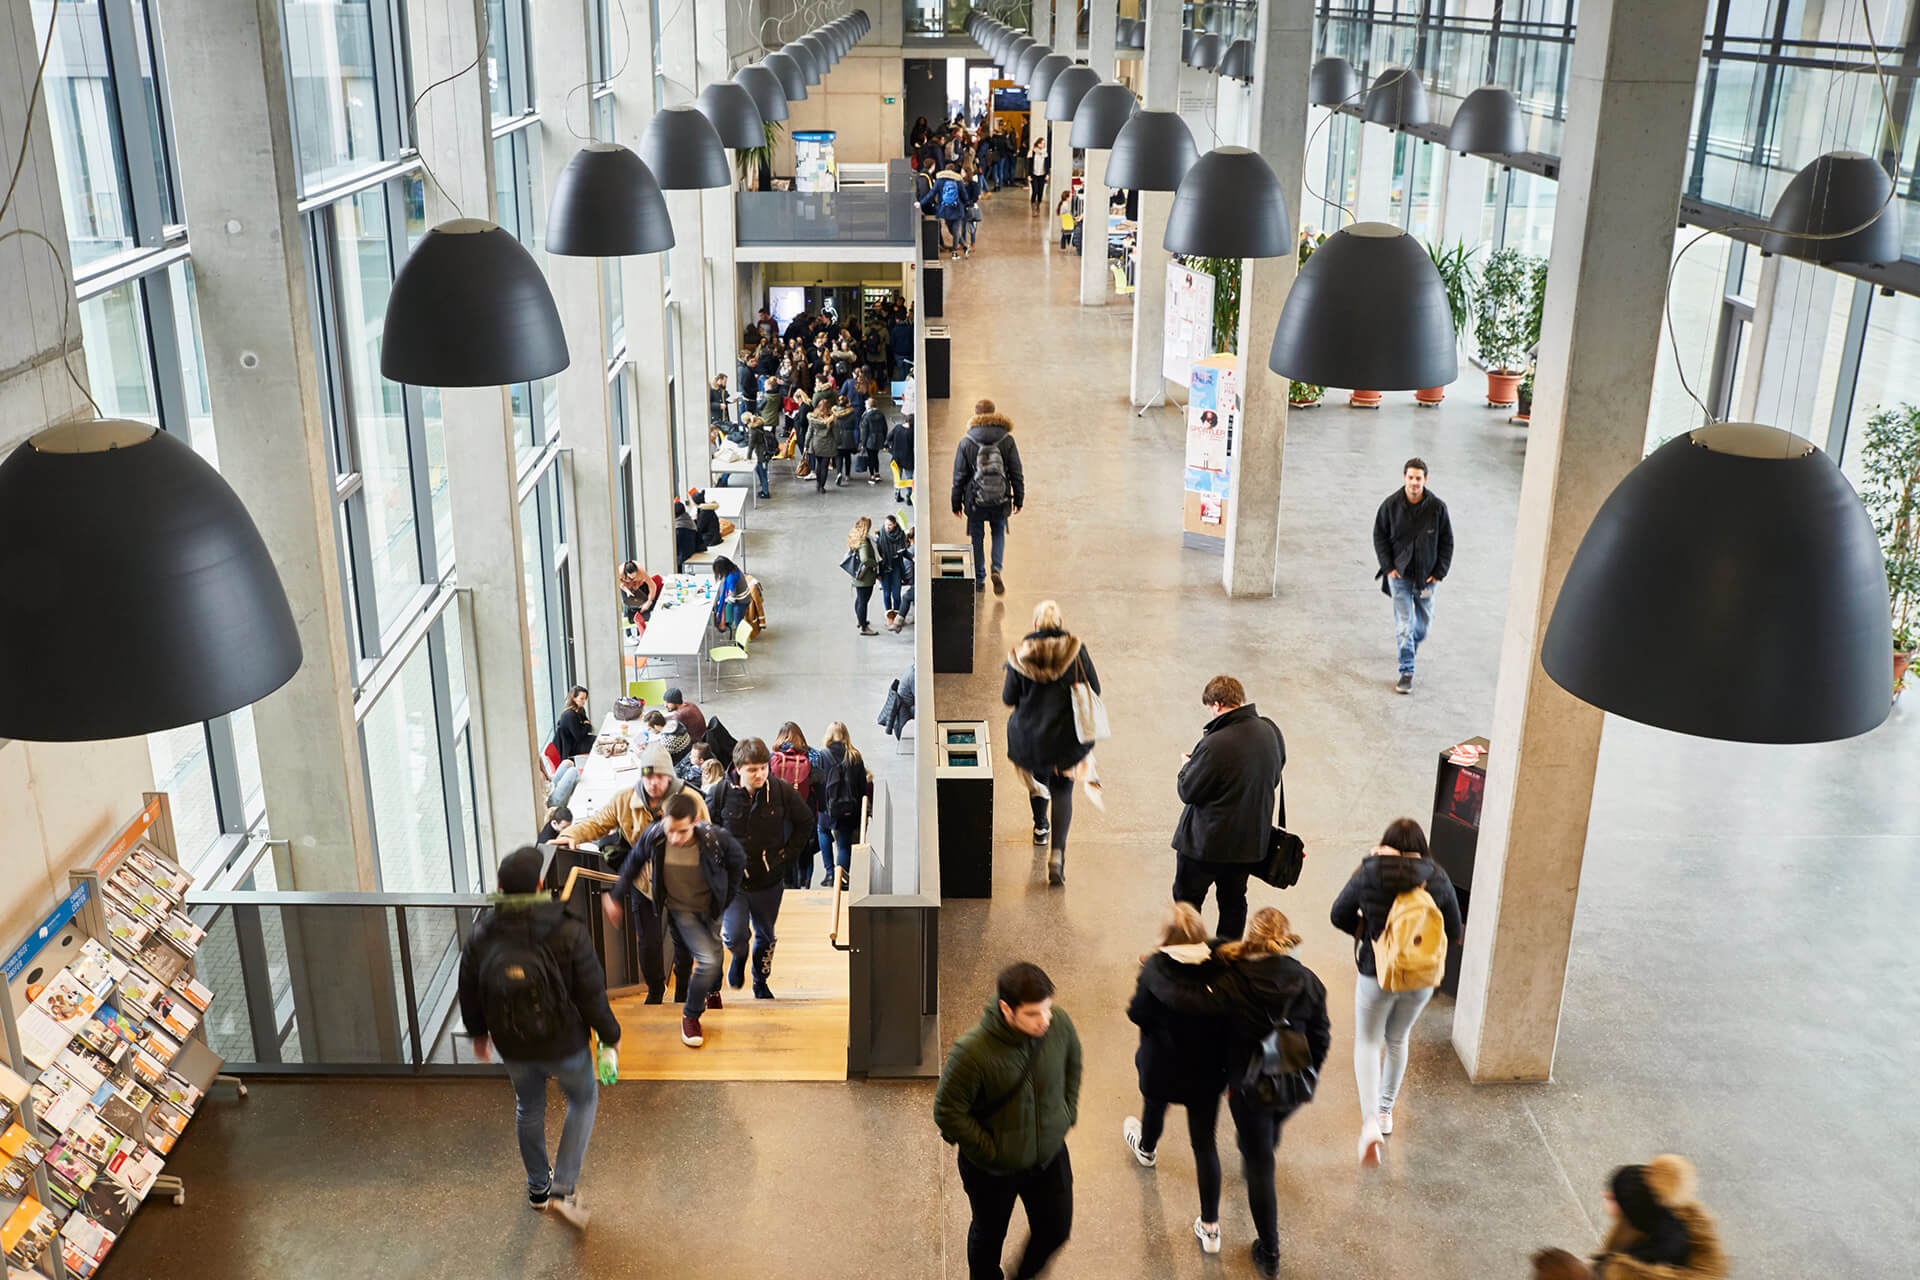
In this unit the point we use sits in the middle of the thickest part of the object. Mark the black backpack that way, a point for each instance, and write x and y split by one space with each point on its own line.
521 989
1280 1074
843 797
989 488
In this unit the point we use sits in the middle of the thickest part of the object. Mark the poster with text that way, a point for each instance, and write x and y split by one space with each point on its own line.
1187 332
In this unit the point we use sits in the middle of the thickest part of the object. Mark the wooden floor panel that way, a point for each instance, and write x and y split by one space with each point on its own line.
801 1034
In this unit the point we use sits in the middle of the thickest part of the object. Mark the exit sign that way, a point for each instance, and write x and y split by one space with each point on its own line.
888 99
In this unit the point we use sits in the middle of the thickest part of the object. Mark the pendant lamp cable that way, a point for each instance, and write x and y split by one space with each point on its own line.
6 203
626 56
1893 146
413 131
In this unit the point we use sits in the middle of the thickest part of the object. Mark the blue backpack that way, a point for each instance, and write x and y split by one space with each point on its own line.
952 200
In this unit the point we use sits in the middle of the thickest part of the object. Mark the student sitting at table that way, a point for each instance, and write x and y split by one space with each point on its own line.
639 591
730 597
686 538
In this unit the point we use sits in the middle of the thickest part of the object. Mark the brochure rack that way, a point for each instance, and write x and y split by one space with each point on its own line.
106 1059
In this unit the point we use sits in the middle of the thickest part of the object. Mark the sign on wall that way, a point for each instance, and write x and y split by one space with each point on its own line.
1189 323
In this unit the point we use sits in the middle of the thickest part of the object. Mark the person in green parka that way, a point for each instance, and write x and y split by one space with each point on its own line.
1008 1095
865 567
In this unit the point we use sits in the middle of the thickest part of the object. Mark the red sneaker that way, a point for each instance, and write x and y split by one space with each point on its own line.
690 1033
713 1000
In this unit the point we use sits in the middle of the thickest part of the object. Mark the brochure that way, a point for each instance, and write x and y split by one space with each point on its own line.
152 904
57 1101
157 1042
148 1069
27 1232
124 933
193 991
166 1118
82 1068
133 1093
93 1138
159 870
135 1167
183 933
125 1120
101 1035
67 1001
177 1017
91 972
63 1196
110 1204
83 1243
161 959
17 1144
8 1114
181 1094
160 1140
138 990
16 1179
70 1164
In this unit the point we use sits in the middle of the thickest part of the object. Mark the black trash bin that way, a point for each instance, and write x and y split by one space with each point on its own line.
1459 789
953 593
963 786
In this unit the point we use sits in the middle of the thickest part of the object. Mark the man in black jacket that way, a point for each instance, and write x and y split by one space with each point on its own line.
900 446
1231 787
531 984
989 485
772 823
696 869
1413 541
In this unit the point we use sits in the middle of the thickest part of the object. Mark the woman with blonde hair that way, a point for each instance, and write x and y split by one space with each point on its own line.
1266 988
847 788
1182 1057
1043 742
863 562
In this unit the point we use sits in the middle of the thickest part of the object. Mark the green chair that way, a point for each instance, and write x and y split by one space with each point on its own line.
650 692
735 652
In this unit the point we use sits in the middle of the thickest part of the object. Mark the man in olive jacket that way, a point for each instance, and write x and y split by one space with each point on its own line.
1230 785
1007 1096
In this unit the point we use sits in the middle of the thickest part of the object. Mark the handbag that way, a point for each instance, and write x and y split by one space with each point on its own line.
627 708
1286 855
1089 713
852 563
1280 1074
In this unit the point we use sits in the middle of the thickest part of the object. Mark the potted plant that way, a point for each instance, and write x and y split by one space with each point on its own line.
1304 395
1525 411
755 164
1891 495
1506 305
1455 266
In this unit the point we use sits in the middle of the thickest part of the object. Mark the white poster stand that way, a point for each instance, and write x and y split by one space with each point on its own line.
1189 323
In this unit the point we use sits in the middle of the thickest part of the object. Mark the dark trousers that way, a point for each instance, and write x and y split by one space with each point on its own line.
860 597
1060 794
1201 1119
1191 877
822 467
646 927
755 911
1047 1193
1039 197
1258 1127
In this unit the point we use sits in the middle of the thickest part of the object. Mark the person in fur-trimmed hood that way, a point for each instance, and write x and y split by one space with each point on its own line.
1042 742
1660 1232
989 485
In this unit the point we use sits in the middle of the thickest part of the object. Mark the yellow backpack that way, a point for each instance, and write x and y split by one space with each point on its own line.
1411 952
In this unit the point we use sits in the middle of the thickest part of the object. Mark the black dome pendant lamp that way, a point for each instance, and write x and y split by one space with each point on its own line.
769 96
119 503
1237 62
1367 310
1842 191
684 152
1488 122
1397 98
1026 60
606 204
469 308
1207 49
809 62
1068 90
1800 595
1102 113
1229 205
731 111
1045 72
1152 151
1332 81
787 70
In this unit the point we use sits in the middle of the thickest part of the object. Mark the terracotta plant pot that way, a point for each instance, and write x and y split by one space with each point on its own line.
1430 395
1503 388
1901 663
1364 400
1304 404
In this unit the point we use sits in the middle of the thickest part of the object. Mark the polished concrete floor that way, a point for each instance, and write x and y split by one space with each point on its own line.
1735 992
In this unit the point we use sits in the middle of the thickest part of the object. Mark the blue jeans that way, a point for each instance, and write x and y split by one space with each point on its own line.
1412 615
953 230
574 1075
759 908
977 525
1382 1020
565 779
699 937
760 474
844 831
890 583
823 828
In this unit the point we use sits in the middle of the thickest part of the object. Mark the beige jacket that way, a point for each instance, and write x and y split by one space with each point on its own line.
632 813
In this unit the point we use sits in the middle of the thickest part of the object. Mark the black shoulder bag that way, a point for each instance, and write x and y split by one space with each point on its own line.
1286 852
1280 1074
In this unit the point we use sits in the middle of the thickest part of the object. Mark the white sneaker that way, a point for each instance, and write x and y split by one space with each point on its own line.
1130 1130
570 1208
1209 1236
1386 1122
1372 1146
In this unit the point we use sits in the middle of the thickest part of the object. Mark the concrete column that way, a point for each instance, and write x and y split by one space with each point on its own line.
1463 200
1629 103
1282 54
1792 312
453 128
687 272
1103 19
1160 83
562 61
1042 23
240 181
643 287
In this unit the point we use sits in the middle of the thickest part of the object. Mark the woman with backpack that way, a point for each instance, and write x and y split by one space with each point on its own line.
1182 1058
806 768
895 548
1401 909
847 786
1043 740
730 596
1267 1062
863 562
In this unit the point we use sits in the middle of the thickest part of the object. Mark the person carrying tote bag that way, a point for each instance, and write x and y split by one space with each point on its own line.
1044 743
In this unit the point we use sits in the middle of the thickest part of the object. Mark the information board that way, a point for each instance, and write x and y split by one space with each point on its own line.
1213 431
1189 323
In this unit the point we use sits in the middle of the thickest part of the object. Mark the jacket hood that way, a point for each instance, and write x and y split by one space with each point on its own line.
1397 873
1188 952
540 911
980 421
1273 979
949 173
1171 973
1044 655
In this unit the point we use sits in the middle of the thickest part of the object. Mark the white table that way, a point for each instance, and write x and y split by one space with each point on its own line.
604 777
730 502
728 546
744 468
679 629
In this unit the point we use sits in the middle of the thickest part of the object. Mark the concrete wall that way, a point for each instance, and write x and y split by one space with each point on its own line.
852 101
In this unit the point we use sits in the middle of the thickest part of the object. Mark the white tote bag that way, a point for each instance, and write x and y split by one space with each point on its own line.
1089 713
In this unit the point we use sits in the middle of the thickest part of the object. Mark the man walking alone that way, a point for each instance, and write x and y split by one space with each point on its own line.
1231 787
1007 1096
988 485
1413 540
531 985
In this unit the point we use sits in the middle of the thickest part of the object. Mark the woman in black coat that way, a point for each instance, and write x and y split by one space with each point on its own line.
1182 1056
1042 742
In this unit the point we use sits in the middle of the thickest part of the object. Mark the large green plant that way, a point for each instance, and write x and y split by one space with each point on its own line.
1507 301
755 164
1891 494
1455 266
